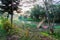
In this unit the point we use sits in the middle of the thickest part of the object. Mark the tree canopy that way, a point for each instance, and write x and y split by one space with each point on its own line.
37 11
9 6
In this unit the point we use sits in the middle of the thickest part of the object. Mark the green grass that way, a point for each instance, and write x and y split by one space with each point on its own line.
29 19
57 27
22 32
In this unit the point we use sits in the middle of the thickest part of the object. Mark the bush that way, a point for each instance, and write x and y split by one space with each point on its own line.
57 34
6 30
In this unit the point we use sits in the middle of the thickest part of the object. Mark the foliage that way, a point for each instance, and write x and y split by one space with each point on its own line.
7 30
9 6
56 12
37 11
23 34
57 34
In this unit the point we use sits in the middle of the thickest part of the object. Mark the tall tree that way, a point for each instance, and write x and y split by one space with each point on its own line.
49 10
37 11
9 6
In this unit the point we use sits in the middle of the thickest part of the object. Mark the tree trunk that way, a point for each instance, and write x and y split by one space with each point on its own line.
11 19
7 15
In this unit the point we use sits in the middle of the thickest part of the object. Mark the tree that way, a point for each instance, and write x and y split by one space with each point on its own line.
9 6
49 13
37 11
57 12
52 12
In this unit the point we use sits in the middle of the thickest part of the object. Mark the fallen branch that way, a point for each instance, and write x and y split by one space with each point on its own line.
40 23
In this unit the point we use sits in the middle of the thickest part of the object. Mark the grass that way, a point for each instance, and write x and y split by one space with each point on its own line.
57 27
29 19
23 31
